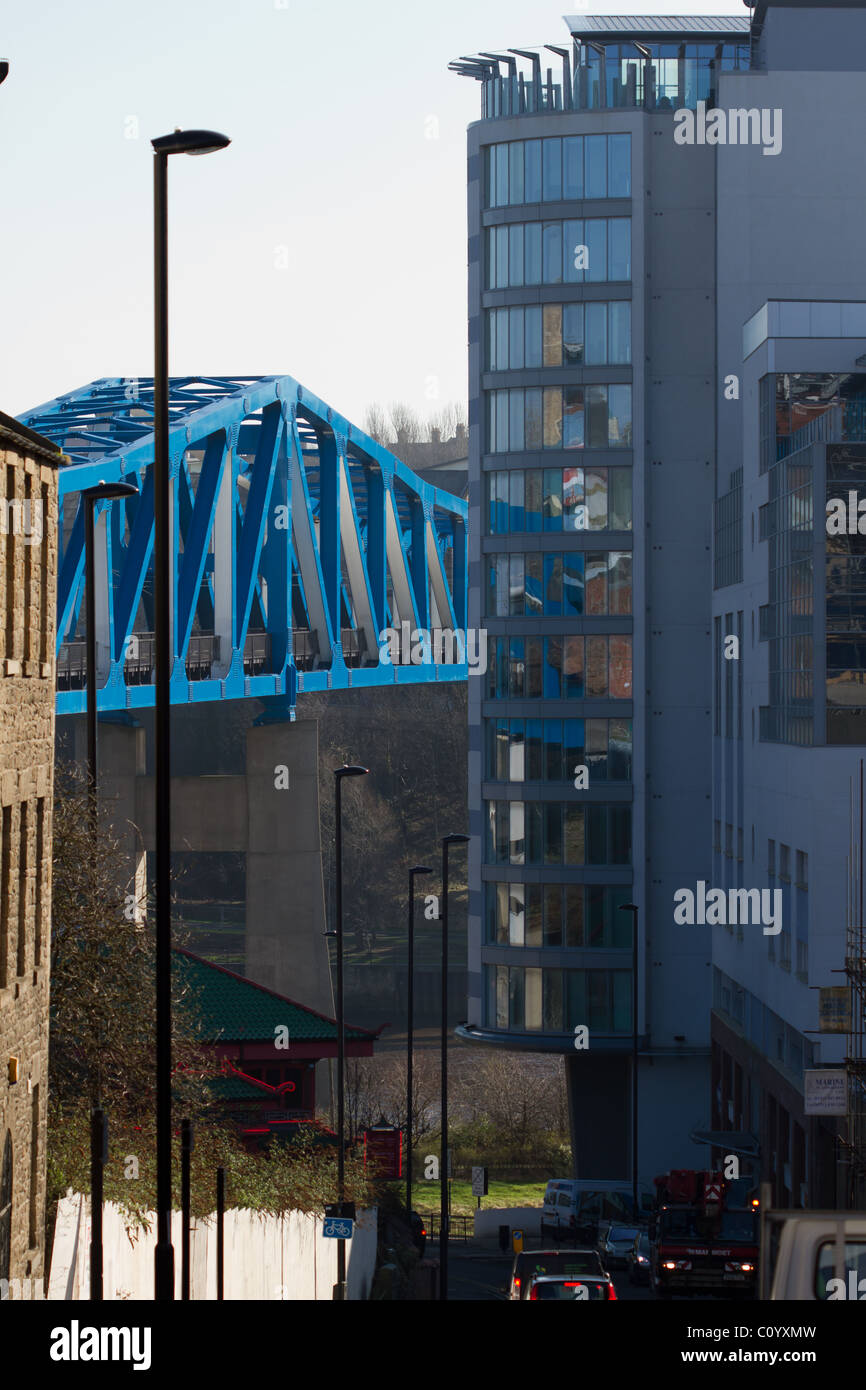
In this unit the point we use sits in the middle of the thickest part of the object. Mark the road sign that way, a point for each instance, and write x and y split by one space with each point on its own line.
383 1147
479 1182
825 1093
834 1009
338 1228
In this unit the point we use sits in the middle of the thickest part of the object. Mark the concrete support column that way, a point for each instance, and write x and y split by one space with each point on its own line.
285 918
121 761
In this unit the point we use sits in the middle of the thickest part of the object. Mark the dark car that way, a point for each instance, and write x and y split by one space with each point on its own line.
419 1233
638 1260
590 1289
566 1264
615 1244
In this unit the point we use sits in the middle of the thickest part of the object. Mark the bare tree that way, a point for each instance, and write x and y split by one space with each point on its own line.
377 424
408 428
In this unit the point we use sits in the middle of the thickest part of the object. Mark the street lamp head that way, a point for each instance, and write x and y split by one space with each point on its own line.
420 869
4 69
106 492
455 839
190 142
351 770
628 907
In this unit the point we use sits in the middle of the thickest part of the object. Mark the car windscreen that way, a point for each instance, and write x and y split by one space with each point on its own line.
557 1262
565 1290
619 1233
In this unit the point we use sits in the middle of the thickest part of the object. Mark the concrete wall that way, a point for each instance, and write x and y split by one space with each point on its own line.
266 1257
277 829
28 564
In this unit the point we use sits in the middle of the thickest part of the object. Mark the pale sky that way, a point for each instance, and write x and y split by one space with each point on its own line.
328 242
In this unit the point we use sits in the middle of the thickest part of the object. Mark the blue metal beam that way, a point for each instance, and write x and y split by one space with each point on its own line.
269 483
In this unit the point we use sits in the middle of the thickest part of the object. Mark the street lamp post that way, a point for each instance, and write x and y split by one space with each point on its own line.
179 142
339 773
447 840
103 492
633 909
416 869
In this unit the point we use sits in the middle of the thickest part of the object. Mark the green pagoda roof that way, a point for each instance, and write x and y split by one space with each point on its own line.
232 1009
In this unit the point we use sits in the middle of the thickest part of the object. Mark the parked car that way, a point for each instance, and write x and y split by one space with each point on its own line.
590 1289
638 1260
615 1245
419 1233
581 1204
566 1264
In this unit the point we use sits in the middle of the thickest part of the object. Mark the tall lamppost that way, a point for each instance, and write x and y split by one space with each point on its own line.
103 492
416 869
633 909
352 770
447 840
179 142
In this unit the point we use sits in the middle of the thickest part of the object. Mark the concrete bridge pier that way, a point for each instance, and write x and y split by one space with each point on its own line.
270 814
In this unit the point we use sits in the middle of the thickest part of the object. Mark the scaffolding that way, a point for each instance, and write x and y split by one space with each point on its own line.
855 973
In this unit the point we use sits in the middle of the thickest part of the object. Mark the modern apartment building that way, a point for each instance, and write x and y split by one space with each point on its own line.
592 320
789 726
644 206
28 562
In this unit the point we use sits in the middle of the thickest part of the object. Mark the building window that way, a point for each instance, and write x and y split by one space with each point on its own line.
784 863
551 750
717 677
771 859
5 898
23 885
550 170
523 999
559 417
33 1223
802 869
729 841
728 549
554 585
596 334
558 499
578 251
559 668
39 904
555 832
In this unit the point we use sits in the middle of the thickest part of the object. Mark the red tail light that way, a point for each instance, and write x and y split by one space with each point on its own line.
611 1292
533 1292
517 1287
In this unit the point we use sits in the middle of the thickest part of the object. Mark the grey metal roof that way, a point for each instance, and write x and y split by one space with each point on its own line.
613 25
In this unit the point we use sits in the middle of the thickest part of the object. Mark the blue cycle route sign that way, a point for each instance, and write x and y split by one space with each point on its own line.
338 1227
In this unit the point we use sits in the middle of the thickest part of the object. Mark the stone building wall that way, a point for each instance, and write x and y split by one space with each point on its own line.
28 582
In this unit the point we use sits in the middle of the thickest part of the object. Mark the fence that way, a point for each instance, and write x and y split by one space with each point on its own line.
266 1257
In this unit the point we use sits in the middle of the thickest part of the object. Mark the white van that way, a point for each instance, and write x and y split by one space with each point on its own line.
590 1201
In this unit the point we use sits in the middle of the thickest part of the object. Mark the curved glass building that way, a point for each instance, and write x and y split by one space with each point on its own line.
592 444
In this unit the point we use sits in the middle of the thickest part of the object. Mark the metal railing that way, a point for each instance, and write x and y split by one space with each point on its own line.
459 1227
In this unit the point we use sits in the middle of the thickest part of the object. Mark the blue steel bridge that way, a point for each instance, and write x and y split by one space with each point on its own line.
296 540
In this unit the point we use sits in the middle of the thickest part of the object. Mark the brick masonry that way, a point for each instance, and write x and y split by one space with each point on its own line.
28 585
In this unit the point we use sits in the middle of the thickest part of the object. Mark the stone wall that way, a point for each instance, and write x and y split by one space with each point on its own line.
28 583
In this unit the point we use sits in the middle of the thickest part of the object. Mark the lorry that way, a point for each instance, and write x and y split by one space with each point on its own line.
813 1255
704 1236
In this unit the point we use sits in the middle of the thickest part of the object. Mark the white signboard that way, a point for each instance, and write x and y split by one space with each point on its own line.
826 1093
479 1182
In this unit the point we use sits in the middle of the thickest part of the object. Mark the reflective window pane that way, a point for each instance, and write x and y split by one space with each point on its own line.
595 147
552 170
